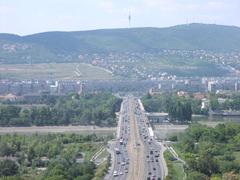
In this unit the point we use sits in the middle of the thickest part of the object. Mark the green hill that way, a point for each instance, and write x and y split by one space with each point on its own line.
52 46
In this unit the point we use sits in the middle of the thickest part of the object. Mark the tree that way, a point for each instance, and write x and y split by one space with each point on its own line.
5 149
214 103
8 168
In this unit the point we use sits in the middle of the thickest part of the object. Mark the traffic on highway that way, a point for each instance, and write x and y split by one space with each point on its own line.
136 153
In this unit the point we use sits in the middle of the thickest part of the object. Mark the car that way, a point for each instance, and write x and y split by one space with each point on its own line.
115 173
154 169
149 173
123 163
153 177
121 173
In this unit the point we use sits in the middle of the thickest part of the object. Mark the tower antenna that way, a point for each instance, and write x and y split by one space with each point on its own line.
129 19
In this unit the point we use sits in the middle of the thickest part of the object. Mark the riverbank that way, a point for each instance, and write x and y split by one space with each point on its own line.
58 129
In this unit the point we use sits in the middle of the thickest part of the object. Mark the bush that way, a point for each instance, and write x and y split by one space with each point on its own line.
8 168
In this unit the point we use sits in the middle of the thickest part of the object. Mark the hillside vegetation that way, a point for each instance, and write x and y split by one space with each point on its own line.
210 153
63 46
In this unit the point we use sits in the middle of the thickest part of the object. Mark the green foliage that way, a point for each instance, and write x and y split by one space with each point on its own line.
8 168
209 151
56 152
102 169
175 169
89 109
178 108
196 175
45 47
67 170
232 102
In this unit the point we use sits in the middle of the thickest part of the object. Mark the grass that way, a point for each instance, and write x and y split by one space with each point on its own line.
175 168
237 156
178 150
104 154
95 148
102 170
56 71
179 170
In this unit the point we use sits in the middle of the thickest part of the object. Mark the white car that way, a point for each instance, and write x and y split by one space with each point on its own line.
115 173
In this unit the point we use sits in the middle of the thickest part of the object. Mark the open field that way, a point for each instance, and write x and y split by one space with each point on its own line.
57 129
59 71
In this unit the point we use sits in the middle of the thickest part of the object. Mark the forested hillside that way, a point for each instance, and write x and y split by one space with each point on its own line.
57 46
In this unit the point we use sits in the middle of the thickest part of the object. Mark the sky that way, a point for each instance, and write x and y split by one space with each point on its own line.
32 16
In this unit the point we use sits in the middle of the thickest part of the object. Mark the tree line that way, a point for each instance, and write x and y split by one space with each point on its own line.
231 102
180 109
88 109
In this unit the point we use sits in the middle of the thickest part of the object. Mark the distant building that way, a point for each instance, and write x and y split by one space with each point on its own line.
182 94
236 86
205 103
54 88
212 86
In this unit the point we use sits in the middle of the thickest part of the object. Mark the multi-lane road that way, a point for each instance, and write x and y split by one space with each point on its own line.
135 153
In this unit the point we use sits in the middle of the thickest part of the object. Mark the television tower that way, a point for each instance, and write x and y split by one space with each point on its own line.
129 19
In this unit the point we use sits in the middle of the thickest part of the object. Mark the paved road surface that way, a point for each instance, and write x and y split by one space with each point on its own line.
136 152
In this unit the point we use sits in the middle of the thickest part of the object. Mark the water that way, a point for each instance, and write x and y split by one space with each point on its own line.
215 119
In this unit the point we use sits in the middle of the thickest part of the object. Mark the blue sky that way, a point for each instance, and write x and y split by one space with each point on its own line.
32 16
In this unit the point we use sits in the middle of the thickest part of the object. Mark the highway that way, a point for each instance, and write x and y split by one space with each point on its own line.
136 153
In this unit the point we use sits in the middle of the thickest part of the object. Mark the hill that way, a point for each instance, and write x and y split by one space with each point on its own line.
49 46
191 36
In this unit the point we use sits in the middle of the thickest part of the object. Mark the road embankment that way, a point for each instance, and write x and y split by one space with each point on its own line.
58 129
